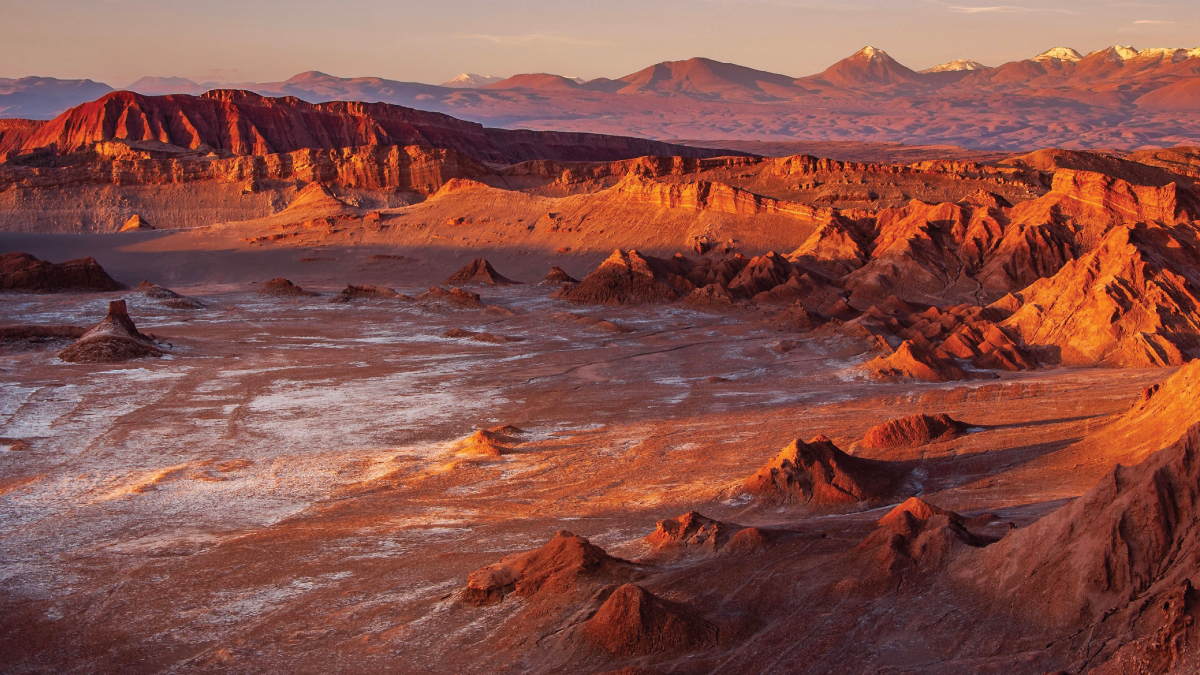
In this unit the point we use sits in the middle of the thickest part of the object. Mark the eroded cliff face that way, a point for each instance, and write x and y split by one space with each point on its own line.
413 168
243 123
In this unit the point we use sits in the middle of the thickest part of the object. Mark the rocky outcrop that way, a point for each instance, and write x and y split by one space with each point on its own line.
820 474
136 224
23 272
628 278
1133 301
478 271
453 297
494 442
557 275
911 362
480 336
283 288
568 566
167 297
243 123
113 340
352 293
634 622
913 430
692 532
1116 564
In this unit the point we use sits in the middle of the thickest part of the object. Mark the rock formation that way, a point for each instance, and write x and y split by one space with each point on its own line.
23 272
39 334
567 566
478 271
113 340
633 621
244 123
453 297
557 275
353 293
628 278
494 442
135 224
491 338
167 297
912 431
283 288
820 474
692 531
1133 301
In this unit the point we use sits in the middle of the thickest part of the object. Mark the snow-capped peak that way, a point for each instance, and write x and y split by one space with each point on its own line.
471 81
871 53
1060 54
956 66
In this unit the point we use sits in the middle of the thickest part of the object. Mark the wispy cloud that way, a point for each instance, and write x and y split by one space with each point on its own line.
533 39
998 9
1151 22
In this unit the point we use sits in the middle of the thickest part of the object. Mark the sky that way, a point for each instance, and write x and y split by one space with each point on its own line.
229 41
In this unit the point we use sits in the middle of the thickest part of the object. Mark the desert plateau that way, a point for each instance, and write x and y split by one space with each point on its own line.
701 370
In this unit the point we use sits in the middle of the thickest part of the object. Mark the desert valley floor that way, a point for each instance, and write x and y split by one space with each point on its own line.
294 488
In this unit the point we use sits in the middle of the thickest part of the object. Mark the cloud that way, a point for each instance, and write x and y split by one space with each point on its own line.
999 9
533 39
1150 22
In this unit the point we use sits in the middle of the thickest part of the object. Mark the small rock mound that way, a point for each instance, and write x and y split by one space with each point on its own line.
558 275
23 272
819 473
590 322
353 293
634 621
478 271
36 335
113 340
167 297
283 288
712 295
919 535
560 567
692 531
455 297
913 431
494 442
136 223
797 319
910 362
628 278
490 338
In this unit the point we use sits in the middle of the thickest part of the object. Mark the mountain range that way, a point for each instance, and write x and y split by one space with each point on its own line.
1117 97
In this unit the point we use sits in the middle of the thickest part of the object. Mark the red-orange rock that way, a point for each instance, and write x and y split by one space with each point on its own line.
628 278
23 272
633 621
557 568
819 473
478 271
113 340
912 431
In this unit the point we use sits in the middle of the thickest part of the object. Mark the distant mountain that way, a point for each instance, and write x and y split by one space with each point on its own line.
1058 54
956 66
707 79
471 81
868 68
44 97
157 86
538 82
1118 97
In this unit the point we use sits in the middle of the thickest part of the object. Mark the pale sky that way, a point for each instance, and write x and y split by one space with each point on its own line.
118 41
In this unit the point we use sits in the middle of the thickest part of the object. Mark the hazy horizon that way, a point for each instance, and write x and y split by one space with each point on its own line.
120 41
